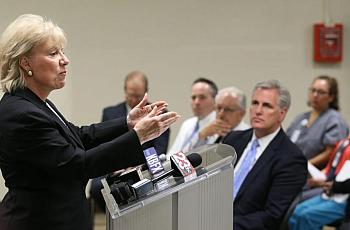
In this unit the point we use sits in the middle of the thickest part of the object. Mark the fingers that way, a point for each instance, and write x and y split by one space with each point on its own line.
170 121
221 127
161 109
168 115
163 126
153 125
222 124
143 102
162 122
153 112
160 104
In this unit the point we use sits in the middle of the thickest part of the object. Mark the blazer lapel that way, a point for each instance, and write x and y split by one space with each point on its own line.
239 146
125 111
32 97
66 127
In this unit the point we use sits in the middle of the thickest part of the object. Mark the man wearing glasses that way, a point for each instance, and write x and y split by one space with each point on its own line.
230 106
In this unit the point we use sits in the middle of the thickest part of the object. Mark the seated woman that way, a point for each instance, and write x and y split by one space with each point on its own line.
315 132
331 204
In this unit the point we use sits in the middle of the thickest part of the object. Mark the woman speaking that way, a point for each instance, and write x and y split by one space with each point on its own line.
45 160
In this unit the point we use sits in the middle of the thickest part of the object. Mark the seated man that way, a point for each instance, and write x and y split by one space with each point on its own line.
135 87
202 103
330 206
270 170
230 105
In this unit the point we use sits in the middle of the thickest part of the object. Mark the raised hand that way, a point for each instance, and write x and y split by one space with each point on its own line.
315 182
327 187
217 126
154 124
142 109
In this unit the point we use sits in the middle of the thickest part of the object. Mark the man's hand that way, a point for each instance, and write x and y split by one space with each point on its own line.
217 126
315 183
327 187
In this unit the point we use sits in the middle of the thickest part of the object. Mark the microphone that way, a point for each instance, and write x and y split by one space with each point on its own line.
162 157
153 161
178 167
130 176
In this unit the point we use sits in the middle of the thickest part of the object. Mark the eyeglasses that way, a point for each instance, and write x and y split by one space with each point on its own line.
318 91
226 110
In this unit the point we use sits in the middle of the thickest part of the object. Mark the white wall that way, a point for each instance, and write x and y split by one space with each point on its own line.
234 42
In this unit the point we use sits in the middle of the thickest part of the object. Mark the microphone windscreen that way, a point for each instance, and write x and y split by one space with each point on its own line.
181 168
162 157
195 159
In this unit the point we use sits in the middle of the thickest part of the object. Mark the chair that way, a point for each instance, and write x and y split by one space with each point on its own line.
289 212
341 224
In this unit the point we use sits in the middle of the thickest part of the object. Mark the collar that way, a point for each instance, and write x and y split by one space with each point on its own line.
30 96
128 108
265 141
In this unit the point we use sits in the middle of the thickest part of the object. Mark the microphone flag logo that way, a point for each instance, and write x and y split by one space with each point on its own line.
183 164
153 161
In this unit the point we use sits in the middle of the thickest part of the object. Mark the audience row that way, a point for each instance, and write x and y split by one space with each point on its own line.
271 167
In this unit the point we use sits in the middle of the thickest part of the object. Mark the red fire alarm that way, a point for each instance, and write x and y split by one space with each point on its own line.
328 43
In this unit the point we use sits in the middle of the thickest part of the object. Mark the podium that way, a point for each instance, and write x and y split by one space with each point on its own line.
202 203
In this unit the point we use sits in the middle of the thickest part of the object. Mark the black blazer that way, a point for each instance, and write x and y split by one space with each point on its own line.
46 164
276 178
160 143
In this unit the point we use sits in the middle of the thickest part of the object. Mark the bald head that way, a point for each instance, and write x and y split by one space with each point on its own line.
135 87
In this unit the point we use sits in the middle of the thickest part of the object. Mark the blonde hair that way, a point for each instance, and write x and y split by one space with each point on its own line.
18 39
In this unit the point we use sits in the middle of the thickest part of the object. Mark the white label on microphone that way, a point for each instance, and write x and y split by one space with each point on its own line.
183 164
153 161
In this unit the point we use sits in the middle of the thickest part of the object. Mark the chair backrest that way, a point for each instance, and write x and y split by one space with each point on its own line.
289 212
344 226
340 224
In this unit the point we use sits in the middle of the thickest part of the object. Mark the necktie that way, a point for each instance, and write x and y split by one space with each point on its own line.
246 165
219 139
188 143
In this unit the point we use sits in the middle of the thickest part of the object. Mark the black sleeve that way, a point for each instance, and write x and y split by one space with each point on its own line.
36 142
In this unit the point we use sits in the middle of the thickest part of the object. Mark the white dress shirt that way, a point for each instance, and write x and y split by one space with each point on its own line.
186 130
211 139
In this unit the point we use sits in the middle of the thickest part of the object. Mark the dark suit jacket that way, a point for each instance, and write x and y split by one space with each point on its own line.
160 143
47 164
276 178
